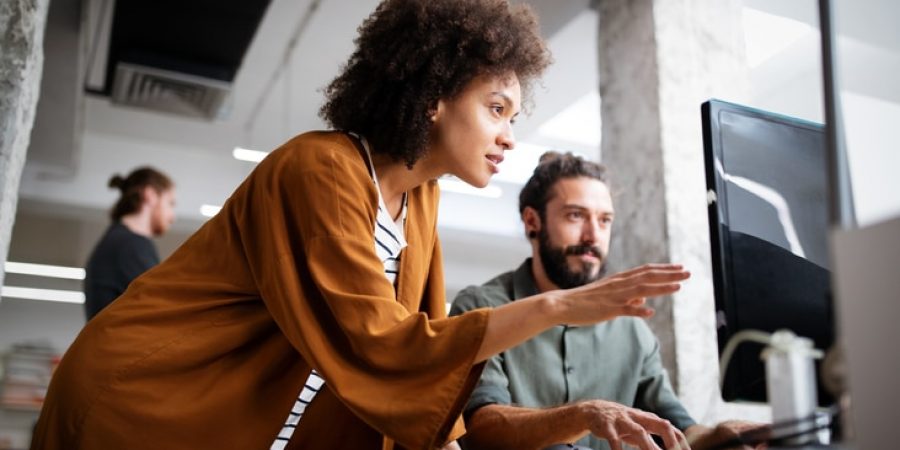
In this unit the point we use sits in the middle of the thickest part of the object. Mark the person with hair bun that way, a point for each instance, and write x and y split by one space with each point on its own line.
310 312
144 210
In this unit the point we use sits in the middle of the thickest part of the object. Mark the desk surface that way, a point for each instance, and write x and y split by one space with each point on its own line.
817 447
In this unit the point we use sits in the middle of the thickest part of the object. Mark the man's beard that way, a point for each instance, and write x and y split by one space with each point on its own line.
554 260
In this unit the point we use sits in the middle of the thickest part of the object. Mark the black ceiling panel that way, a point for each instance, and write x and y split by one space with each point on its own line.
198 37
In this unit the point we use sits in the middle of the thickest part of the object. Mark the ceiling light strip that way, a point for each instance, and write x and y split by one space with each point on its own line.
45 270
210 210
52 295
245 154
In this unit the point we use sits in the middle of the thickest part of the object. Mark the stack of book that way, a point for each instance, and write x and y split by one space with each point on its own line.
25 374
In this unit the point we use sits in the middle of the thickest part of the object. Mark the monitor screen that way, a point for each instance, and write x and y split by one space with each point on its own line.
768 211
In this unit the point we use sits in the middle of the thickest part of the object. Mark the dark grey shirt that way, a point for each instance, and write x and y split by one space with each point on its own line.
121 256
616 360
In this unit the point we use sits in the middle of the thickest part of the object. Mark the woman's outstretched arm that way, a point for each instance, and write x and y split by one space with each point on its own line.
622 294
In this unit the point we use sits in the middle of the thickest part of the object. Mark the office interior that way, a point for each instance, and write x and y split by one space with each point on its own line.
82 134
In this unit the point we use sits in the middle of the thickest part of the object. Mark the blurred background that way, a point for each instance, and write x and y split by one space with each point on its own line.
189 86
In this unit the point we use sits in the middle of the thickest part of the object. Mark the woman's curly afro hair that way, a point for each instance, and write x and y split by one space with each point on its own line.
412 53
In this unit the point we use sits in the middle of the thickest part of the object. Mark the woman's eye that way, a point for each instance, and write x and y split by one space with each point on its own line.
497 109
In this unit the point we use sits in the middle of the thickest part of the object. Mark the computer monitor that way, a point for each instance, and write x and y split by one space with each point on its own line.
767 184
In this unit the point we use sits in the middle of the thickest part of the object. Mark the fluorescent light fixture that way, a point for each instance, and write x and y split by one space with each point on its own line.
245 154
459 187
52 295
766 35
210 210
45 270
579 123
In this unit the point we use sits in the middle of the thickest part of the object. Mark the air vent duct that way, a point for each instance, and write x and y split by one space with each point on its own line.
172 92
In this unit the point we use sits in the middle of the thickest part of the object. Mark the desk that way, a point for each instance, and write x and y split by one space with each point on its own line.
817 447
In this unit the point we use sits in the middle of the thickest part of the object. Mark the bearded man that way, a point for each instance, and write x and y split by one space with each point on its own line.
596 386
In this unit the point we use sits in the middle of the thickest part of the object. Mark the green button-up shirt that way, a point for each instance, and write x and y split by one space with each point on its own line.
617 360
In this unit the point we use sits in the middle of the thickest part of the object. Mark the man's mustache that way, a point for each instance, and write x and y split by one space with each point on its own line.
582 249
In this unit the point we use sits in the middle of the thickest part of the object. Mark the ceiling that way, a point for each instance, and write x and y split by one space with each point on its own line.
275 92
276 72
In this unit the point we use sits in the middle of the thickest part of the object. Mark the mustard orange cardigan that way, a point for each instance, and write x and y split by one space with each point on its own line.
209 349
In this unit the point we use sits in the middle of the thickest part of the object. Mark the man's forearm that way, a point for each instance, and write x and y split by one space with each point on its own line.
697 432
703 437
510 427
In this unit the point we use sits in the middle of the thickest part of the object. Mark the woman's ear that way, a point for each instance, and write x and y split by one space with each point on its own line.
436 110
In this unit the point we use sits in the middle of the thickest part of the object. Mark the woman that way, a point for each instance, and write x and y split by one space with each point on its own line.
322 273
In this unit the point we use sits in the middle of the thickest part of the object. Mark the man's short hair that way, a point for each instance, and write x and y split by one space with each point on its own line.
552 167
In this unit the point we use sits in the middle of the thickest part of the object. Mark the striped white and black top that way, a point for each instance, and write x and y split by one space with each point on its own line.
389 243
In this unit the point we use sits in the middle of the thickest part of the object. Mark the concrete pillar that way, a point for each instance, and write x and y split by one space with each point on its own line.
659 60
22 24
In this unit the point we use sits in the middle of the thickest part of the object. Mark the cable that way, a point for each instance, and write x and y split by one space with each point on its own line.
285 59
779 341
764 435
740 337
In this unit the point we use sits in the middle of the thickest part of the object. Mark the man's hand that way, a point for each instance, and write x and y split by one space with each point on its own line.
618 423
702 438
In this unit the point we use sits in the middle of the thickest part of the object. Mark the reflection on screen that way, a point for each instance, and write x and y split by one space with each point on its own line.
785 203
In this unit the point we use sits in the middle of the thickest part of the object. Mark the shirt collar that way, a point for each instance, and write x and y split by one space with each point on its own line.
523 281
